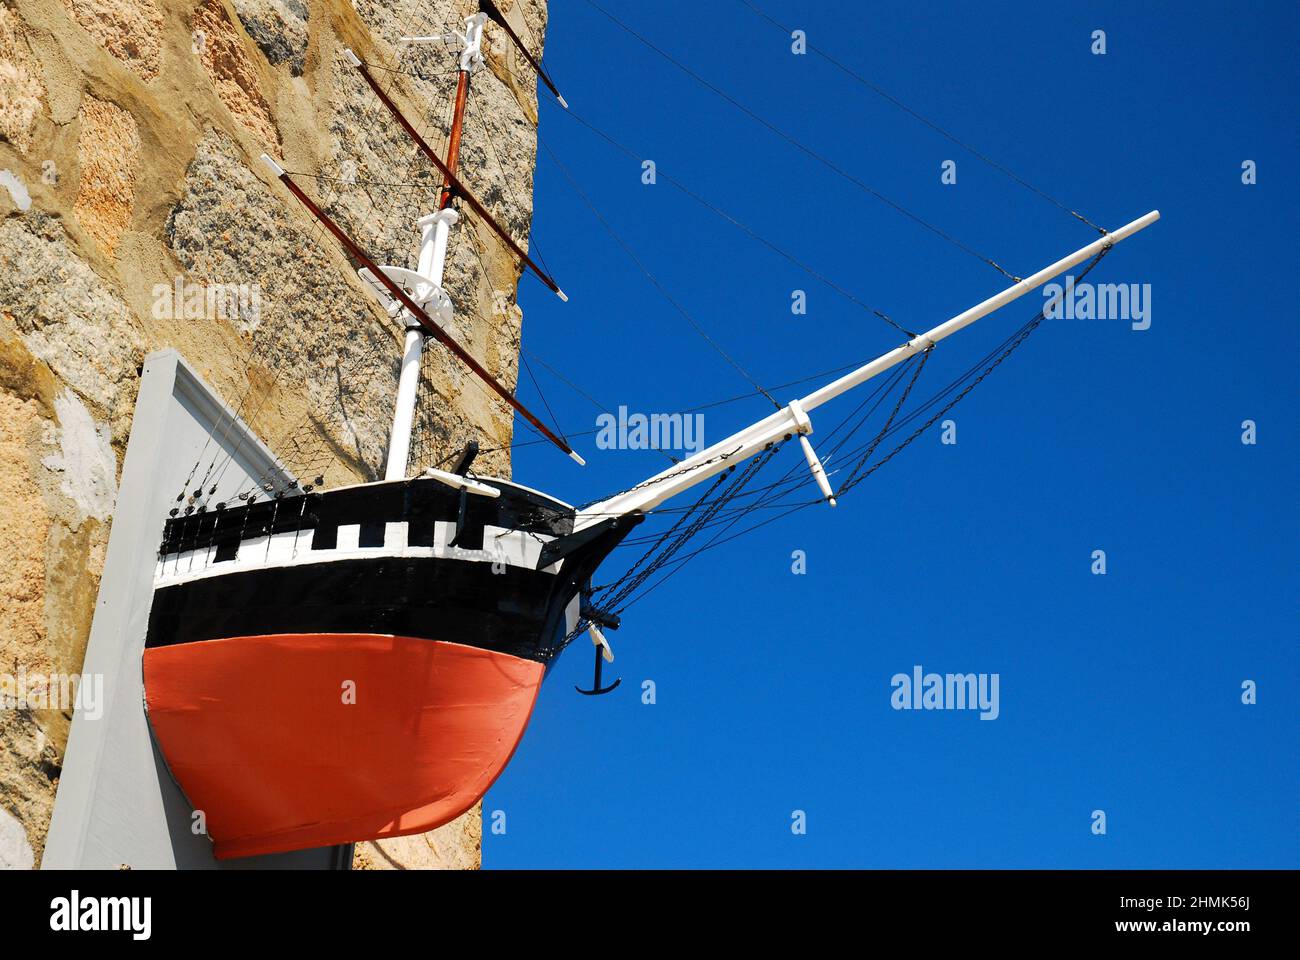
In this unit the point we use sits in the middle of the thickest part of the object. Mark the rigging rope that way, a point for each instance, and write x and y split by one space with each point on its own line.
584 394
886 95
533 246
743 227
685 410
771 496
304 437
650 276
902 398
728 484
829 164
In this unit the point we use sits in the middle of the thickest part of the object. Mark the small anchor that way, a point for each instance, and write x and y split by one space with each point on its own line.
603 653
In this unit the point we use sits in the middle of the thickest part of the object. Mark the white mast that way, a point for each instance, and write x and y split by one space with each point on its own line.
425 285
793 419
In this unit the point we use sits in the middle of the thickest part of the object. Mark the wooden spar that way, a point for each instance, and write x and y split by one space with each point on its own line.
415 310
453 139
490 8
454 181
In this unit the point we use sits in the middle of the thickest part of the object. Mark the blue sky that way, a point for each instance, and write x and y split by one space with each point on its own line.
1119 692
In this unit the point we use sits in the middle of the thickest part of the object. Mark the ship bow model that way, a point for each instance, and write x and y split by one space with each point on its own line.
357 663
329 666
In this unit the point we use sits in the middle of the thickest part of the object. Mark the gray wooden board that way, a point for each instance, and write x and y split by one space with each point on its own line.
117 805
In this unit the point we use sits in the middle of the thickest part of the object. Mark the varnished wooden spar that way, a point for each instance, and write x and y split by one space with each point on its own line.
415 310
453 139
453 180
490 8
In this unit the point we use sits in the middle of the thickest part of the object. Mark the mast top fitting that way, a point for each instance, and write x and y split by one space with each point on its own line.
470 44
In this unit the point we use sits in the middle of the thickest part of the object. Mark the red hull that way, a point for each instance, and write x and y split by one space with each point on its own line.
259 735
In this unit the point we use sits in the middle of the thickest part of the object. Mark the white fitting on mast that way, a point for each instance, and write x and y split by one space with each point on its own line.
469 43
435 231
471 58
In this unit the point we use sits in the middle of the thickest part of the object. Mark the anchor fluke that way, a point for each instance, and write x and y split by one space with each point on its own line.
604 654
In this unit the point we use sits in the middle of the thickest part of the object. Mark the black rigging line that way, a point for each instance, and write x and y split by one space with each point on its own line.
525 353
497 398
291 435
744 228
515 391
650 276
772 495
793 478
612 597
568 383
685 410
661 477
829 164
336 197
712 544
886 95
681 562
849 482
533 245
417 74
239 440
546 403
1012 343
254 347
986 364
789 481
248 359
873 400
659 542
971 379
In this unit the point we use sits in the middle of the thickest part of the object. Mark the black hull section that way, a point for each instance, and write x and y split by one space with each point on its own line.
460 601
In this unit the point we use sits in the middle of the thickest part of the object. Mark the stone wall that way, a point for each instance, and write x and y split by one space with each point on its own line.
129 132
